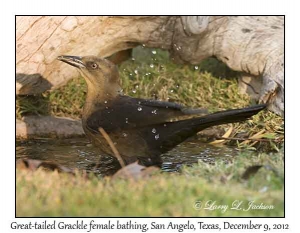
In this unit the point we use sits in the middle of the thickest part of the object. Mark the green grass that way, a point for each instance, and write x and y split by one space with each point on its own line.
44 193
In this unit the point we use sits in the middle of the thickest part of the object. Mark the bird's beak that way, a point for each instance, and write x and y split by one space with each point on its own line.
72 60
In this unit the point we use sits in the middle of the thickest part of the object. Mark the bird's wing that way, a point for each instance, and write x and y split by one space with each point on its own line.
127 113
173 107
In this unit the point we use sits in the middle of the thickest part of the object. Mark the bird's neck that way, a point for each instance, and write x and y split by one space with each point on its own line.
97 98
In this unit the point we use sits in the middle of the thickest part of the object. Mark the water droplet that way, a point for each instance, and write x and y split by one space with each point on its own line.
154 111
177 47
156 137
130 74
153 130
263 189
177 86
133 91
151 65
196 67
132 58
139 102
135 71
171 91
137 86
125 135
143 45
105 102
165 125
126 120
106 107
153 52
139 109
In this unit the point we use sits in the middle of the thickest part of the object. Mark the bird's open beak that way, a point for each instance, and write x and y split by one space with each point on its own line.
72 60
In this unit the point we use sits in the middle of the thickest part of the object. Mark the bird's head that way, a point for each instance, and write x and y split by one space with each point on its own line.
101 75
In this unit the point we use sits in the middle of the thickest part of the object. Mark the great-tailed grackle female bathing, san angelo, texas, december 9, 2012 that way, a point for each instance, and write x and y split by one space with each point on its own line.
141 129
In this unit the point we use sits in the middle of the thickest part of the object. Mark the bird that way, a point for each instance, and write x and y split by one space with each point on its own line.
141 129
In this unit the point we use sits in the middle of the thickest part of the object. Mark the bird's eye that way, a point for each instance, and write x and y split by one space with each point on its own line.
94 66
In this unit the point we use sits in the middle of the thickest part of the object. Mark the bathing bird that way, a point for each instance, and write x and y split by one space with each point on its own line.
141 129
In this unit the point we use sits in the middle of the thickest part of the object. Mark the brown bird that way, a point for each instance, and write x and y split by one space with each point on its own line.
141 129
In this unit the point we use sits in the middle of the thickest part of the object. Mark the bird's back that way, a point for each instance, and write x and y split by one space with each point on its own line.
143 129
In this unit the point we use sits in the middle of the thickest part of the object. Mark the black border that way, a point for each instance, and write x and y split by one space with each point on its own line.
148 216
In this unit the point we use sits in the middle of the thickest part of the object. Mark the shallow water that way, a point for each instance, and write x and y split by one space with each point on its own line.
79 153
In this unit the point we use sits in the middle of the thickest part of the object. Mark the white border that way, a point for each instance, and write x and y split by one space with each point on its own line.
7 57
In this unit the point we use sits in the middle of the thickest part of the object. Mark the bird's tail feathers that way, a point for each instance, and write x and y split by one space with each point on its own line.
228 116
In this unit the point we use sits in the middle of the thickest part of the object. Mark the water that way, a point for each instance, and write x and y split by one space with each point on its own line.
79 153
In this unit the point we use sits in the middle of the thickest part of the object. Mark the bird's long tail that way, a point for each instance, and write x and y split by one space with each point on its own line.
228 116
179 131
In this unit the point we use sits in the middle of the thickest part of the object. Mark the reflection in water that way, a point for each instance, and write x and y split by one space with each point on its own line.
79 153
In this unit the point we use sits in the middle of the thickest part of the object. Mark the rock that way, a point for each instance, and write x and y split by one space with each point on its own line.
34 126
31 84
